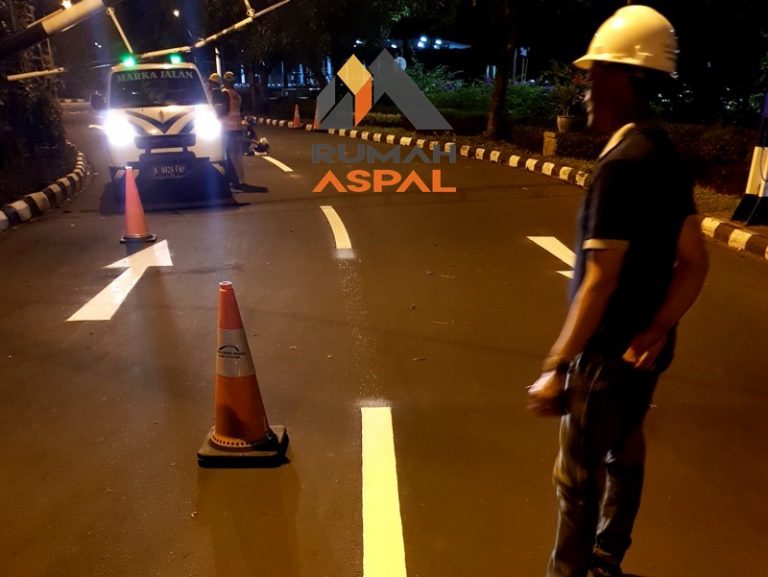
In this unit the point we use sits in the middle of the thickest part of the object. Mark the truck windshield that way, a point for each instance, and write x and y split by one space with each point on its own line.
155 87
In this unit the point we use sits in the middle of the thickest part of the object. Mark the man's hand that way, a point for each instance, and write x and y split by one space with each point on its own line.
644 349
545 396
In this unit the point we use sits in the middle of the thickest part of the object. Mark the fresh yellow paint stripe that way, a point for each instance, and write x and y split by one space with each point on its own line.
383 549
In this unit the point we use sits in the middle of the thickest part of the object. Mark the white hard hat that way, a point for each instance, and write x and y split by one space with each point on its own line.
229 77
635 35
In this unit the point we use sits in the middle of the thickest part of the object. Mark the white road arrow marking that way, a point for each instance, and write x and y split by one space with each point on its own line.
105 304
558 249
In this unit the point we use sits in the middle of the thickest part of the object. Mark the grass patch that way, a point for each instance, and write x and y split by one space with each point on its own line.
715 204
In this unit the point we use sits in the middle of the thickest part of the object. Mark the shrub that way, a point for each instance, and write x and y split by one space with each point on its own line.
529 138
465 121
583 145
567 88
470 97
717 156
720 144
384 119
527 101
433 80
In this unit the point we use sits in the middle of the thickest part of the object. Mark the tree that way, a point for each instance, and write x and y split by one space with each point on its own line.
30 118
305 32
499 26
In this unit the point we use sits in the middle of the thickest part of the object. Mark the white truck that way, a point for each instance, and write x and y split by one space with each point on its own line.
159 120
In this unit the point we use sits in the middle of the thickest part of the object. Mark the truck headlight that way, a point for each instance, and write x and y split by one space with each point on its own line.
119 131
207 126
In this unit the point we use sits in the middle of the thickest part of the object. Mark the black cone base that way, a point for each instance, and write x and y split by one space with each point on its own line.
130 238
271 453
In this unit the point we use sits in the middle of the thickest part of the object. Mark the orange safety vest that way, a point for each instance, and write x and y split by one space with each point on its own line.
231 121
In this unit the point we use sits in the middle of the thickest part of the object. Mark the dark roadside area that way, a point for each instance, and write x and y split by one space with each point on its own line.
719 185
718 189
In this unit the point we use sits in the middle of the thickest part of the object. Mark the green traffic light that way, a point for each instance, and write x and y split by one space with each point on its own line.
129 60
175 59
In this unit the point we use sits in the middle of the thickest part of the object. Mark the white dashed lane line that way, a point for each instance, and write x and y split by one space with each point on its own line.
340 234
277 163
553 246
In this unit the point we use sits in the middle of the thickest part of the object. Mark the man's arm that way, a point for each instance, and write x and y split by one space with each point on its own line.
688 280
600 281
584 315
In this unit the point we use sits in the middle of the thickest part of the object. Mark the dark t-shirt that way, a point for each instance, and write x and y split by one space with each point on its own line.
638 196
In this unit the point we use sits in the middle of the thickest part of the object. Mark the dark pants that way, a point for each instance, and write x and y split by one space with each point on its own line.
599 469
233 146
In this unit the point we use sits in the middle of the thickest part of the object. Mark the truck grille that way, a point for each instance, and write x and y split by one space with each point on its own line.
165 141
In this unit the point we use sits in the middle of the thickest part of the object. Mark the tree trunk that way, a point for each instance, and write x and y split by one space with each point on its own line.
252 88
317 66
497 107
263 69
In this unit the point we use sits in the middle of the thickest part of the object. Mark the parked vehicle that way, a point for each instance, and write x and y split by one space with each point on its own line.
159 121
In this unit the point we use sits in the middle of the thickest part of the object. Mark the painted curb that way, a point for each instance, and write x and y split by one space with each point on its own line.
565 173
54 195
735 237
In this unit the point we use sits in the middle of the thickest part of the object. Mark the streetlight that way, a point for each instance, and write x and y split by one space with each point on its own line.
177 12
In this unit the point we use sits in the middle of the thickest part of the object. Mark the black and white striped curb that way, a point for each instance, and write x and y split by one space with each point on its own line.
555 170
53 195
734 237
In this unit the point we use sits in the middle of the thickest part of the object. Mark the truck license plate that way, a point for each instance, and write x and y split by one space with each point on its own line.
170 170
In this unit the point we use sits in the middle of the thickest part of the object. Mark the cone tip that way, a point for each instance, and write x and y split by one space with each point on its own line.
229 312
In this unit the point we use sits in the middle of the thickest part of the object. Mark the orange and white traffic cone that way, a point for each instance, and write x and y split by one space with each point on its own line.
135 223
296 117
241 435
315 122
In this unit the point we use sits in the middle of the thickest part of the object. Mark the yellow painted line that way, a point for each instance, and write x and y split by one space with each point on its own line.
383 548
340 234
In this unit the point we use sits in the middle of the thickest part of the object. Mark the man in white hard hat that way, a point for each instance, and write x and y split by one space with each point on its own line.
218 98
641 263
214 81
233 132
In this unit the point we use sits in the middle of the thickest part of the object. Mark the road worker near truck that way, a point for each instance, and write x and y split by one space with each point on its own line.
233 131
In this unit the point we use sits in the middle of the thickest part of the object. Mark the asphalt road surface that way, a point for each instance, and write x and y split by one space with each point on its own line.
436 315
